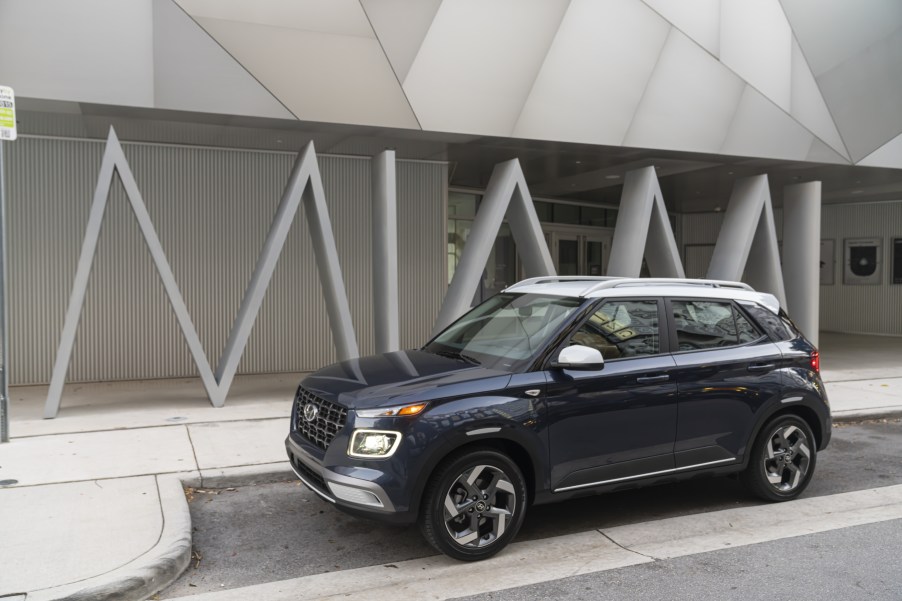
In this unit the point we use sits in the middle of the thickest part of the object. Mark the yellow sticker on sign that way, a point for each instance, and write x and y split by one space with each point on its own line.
7 114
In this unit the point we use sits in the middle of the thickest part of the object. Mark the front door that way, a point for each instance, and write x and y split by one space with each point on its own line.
617 423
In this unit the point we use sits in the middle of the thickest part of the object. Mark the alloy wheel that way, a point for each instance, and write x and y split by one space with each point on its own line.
787 458
479 506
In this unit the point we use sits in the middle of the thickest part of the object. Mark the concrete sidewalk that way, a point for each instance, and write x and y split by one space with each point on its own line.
93 505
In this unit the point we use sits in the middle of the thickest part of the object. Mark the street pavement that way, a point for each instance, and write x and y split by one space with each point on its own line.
93 504
251 535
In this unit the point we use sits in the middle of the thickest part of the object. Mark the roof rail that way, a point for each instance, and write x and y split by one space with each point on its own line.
606 282
559 278
618 282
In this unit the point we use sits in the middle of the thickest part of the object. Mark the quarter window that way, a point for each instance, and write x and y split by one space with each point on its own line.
622 329
710 324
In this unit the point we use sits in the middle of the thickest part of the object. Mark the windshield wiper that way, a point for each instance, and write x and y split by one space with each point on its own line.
459 355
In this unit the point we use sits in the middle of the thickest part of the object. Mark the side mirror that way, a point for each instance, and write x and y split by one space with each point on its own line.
578 356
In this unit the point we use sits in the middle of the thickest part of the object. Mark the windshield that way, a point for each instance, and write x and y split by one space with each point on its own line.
505 330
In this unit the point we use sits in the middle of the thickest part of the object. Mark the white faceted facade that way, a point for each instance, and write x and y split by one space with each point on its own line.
711 76
797 80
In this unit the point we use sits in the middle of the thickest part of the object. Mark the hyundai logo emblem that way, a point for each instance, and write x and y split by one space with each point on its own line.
310 411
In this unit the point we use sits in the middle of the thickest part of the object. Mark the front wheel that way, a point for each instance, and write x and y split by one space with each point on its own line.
782 461
473 505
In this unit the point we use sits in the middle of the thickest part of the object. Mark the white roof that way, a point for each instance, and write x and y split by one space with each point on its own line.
613 287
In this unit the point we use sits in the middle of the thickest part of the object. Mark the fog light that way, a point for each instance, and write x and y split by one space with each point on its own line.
354 495
374 443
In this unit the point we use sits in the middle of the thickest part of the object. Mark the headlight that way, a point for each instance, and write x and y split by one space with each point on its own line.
374 443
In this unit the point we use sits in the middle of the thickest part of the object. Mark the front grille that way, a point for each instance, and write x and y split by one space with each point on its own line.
330 418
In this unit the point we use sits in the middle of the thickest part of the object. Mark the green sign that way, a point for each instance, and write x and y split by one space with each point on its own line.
7 114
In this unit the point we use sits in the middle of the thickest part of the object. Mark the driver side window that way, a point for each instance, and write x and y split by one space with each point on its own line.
620 329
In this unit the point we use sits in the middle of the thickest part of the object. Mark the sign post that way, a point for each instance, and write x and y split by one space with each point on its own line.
7 133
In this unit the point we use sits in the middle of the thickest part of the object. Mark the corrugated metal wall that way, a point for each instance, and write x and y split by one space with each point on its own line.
875 309
212 209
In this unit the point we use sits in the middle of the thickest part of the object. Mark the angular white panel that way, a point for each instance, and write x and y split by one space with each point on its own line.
821 153
832 31
97 51
478 62
181 50
808 106
864 94
339 17
401 26
888 155
597 43
689 102
756 42
318 76
698 19
760 128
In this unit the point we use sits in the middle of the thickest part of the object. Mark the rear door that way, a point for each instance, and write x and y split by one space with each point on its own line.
617 423
726 369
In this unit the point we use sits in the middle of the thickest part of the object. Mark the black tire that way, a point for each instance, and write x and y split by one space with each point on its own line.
480 527
782 461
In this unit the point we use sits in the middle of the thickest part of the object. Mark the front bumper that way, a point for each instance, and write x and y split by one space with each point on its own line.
361 496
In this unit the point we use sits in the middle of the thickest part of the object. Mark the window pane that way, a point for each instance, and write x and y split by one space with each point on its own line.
593 216
501 268
622 329
770 322
704 324
461 205
594 257
566 214
543 210
568 257
504 330
747 332
458 231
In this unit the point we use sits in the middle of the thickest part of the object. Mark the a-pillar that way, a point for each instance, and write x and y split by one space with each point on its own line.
801 255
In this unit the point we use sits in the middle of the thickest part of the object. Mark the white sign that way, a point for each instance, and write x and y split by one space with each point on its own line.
7 114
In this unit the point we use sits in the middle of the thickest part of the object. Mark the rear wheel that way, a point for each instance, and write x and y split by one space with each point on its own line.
782 461
473 505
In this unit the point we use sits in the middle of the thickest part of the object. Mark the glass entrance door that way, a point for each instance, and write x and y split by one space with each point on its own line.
580 252
567 257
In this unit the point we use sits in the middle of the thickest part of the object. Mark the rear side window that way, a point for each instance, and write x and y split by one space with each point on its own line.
620 329
777 327
710 324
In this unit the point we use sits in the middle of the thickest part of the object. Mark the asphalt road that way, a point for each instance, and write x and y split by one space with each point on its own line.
272 532
840 564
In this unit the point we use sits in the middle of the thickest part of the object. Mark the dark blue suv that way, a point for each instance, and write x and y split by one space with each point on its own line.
563 387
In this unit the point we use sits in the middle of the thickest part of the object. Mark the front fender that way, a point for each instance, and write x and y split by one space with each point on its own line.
491 419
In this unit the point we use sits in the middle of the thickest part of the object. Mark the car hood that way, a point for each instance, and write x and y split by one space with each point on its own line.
400 377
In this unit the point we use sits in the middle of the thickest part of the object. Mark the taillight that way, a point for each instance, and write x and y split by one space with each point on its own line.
816 362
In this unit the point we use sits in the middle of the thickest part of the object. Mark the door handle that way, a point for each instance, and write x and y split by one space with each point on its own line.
652 379
761 366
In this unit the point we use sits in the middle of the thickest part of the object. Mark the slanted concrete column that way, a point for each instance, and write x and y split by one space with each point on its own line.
508 194
385 252
801 255
747 242
643 230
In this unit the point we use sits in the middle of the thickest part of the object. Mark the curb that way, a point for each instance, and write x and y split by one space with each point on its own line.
267 473
163 563
860 415
151 572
